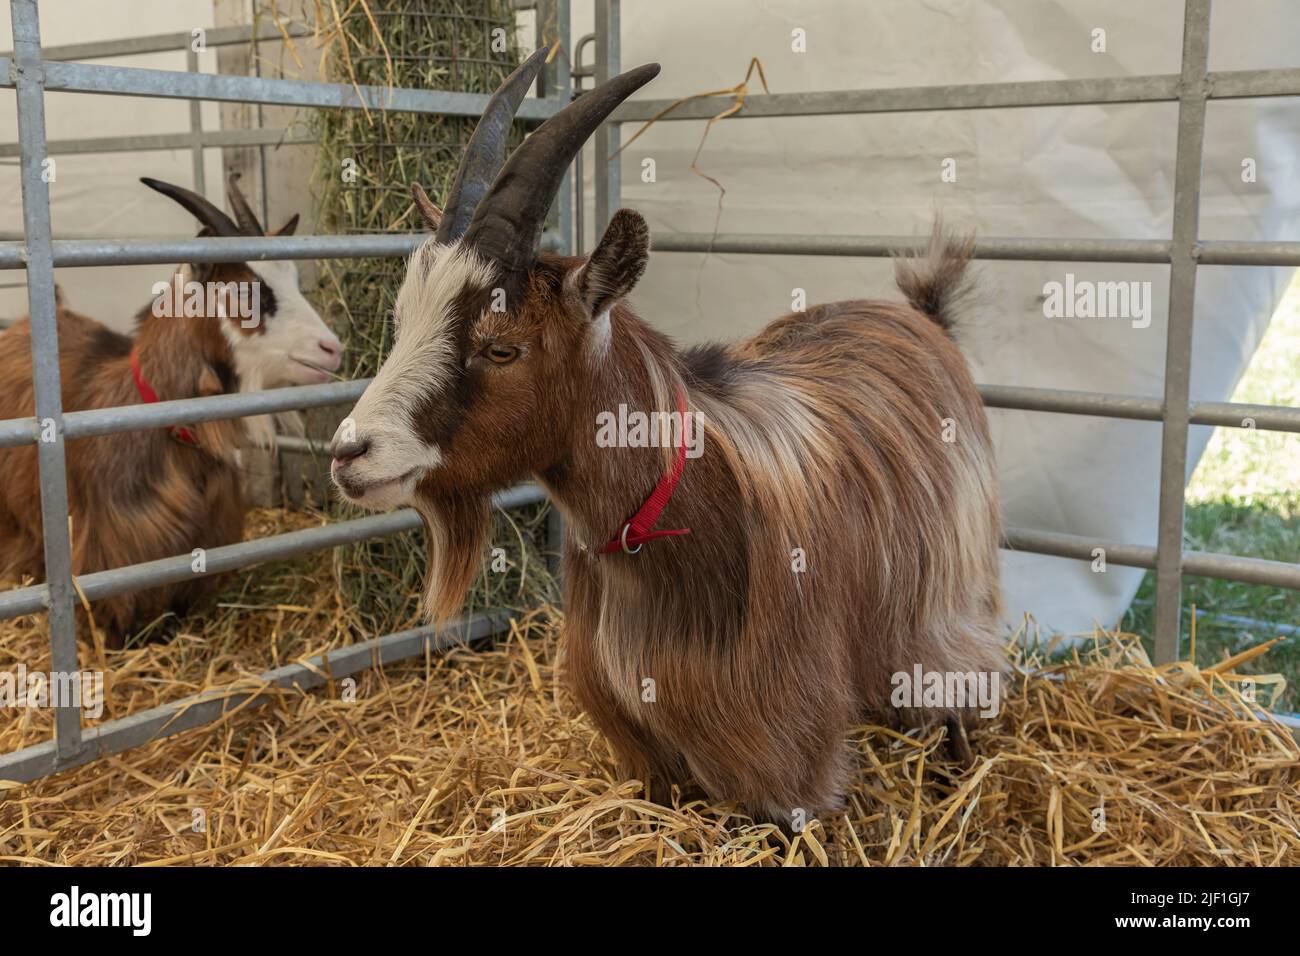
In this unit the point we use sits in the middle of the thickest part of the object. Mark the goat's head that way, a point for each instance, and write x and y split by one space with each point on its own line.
490 333
275 337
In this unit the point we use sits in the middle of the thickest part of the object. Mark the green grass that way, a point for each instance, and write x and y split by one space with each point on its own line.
1245 499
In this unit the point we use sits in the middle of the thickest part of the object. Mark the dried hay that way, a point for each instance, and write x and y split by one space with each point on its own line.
481 757
366 161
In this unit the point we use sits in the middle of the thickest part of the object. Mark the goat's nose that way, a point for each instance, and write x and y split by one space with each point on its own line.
348 450
331 346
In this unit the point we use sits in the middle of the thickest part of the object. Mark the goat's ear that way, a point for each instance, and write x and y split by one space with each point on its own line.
289 228
617 263
430 213
209 381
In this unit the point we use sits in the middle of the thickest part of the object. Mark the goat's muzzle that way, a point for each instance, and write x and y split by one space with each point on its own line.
368 474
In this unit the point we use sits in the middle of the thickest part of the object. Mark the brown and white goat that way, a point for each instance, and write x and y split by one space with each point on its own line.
843 515
139 496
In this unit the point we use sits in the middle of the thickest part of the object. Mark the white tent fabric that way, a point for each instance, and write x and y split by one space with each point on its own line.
96 195
1085 172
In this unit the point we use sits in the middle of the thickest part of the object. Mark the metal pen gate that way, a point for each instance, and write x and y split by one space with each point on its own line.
31 75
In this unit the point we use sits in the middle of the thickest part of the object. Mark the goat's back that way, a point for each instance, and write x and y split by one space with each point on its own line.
871 432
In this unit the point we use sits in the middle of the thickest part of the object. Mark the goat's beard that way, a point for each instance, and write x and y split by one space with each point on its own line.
456 527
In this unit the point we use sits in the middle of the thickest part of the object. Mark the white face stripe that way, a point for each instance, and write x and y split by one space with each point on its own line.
419 364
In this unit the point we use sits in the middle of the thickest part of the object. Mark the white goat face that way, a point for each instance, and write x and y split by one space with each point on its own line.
284 341
385 446
476 391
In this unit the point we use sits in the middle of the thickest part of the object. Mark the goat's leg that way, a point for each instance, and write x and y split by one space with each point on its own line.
640 754
958 744
656 763
775 783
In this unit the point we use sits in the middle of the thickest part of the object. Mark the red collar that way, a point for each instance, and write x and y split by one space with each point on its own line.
638 529
149 396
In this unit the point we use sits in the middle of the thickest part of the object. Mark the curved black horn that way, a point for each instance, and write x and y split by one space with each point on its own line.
508 223
243 212
198 207
486 149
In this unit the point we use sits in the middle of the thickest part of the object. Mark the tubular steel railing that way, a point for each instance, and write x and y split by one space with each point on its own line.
27 72
30 74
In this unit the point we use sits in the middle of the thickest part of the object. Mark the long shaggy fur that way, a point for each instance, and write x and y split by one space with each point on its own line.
133 496
843 514
837 539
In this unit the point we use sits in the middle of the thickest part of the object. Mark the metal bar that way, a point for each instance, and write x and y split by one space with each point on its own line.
555 82
210 408
988 247
1232 567
210 139
301 446
1061 545
106 421
244 554
1238 84
175 84
1233 84
563 91
19 431
45 363
120 252
1178 341
198 710
1276 418
95 252
1227 253
196 129
1129 89
167 42
1100 404
1224 567
607 167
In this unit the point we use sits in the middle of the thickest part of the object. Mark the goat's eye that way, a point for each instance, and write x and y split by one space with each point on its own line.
501 354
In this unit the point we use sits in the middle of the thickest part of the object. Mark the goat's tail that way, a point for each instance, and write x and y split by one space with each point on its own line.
938 284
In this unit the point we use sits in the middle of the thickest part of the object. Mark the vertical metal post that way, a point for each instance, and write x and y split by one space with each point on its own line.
30 86
1178 345
196 126
556 82
608 59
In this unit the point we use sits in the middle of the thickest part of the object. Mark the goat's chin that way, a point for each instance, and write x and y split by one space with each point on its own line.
379 495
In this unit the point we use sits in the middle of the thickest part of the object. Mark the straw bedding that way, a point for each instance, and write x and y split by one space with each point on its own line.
480 757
